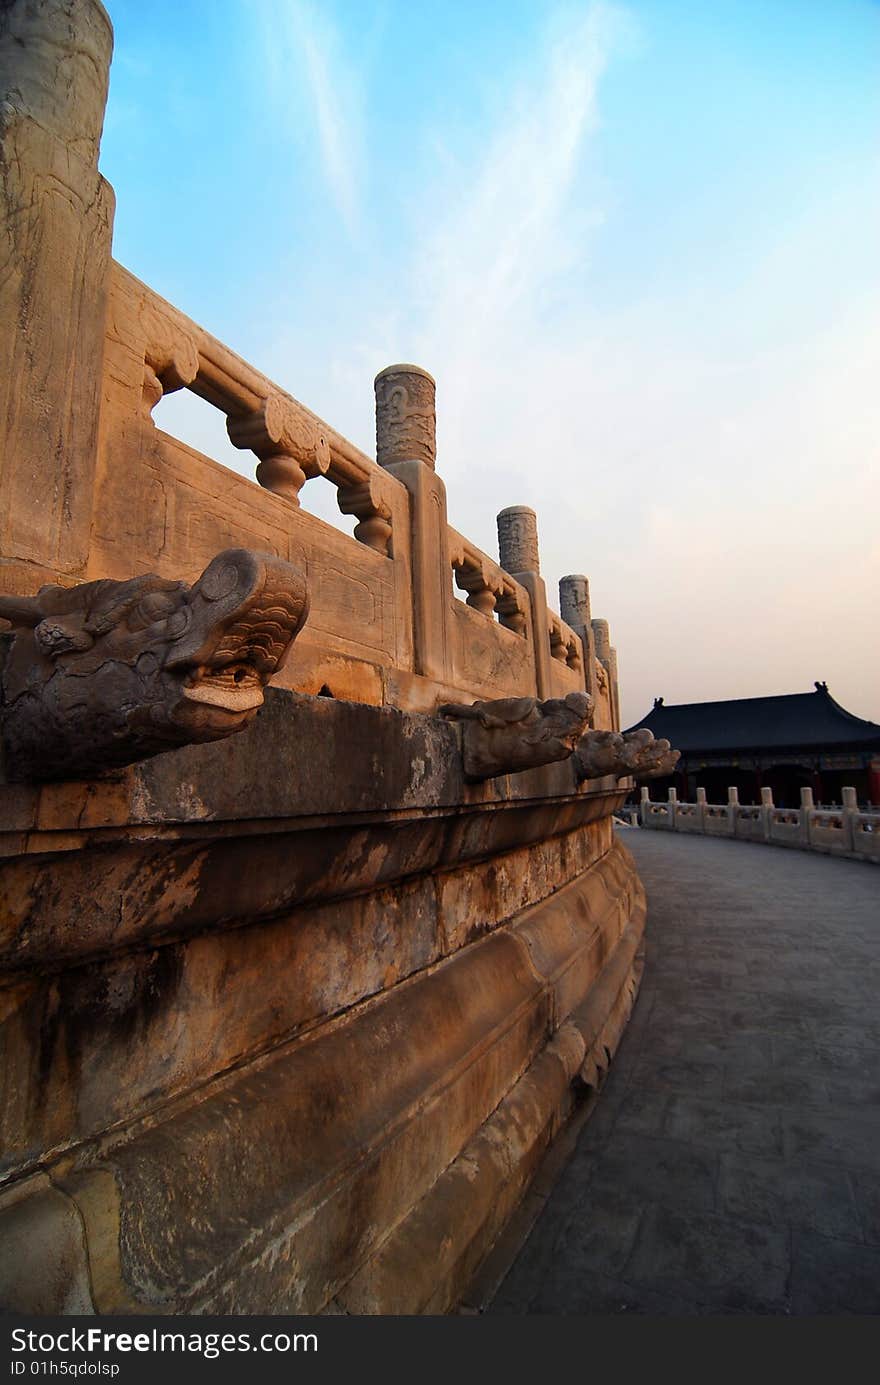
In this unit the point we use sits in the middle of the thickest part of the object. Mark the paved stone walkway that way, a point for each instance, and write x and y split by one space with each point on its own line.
732 1164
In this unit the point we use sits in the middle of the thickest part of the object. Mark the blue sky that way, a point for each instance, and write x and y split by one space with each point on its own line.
636 245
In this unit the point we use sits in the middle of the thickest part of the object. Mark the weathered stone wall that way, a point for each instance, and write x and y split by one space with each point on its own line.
250 1018
287 1019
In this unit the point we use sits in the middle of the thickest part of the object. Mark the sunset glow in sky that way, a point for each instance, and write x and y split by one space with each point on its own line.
636 245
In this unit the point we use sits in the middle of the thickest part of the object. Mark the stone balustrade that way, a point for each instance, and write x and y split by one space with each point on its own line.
385 627
844 831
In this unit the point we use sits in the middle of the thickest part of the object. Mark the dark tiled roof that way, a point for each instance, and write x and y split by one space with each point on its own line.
792 721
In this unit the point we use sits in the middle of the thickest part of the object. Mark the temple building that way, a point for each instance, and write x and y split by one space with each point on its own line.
784 743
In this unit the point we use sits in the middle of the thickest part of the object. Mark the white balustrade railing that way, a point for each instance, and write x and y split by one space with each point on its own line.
843 831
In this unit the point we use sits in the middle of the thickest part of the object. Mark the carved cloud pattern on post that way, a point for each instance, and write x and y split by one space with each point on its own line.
636 753
107 673
511 734
405 416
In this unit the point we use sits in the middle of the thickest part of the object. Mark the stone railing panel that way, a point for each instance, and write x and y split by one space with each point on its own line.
749 824
161 506
491 644
785 826
566 657
866 835
688 817
830 830
843 831
717 821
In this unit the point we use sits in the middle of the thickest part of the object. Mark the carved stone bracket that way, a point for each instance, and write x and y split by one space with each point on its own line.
512 608
369 502
564 645
636 753
482 579
171 357
517 733
289 442
106 673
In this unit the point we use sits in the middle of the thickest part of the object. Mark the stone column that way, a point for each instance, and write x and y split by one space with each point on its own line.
57 218
732 806
614 689
406 447
767 812
574 607
518 555
807 806
602 643
850 810
602 637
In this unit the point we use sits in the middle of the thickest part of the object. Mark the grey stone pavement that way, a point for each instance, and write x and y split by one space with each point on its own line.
732 1162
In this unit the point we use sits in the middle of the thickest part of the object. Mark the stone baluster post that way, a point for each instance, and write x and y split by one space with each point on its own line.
574 607
406 447
614 689
850 809
602 636
645 806
701 809
806 812
518 555
57 223
767 812
602 641
732 809
672 803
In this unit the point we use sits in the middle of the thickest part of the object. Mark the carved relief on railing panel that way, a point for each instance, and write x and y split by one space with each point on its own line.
289 441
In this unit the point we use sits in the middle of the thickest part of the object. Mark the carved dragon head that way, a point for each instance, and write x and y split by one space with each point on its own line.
106 673
635 752
511 734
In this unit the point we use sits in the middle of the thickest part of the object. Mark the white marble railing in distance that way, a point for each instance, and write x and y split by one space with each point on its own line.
843 831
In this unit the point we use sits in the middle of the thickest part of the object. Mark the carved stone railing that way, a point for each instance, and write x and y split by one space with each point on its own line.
380 631
292 443
844 831
105 493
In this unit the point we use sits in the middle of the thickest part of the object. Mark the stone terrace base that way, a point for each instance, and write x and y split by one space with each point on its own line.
296 1041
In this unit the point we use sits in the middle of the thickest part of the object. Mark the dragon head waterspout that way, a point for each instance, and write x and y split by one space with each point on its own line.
106 673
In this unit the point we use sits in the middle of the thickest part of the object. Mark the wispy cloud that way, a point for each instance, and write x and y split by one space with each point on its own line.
302 45
499 228
501 235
